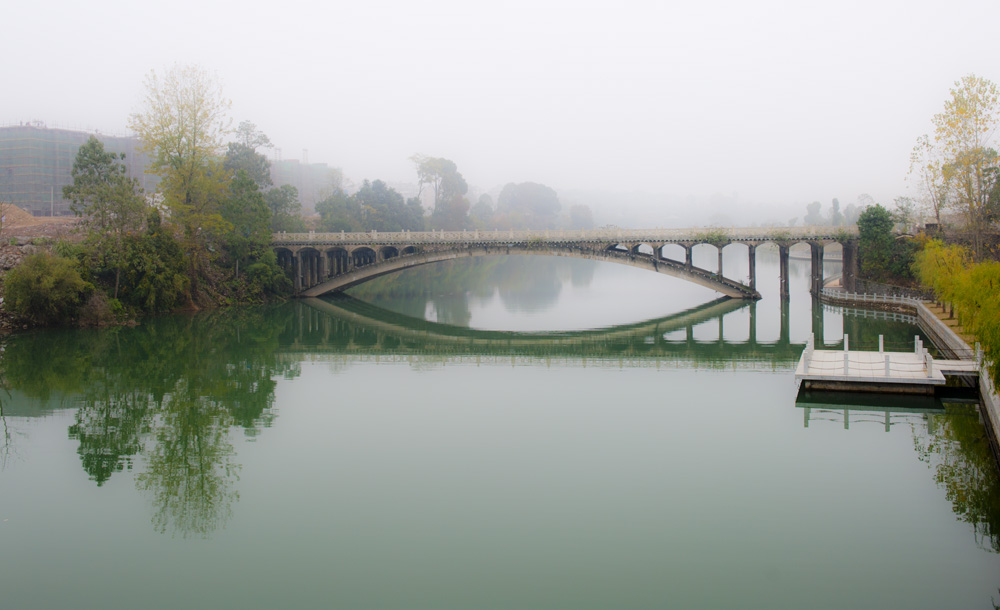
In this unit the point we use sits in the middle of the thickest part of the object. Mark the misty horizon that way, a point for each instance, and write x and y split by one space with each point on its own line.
650 114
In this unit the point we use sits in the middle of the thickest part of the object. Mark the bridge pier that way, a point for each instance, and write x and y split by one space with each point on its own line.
719 248
297 270
849 273
783 269
816 256
752 255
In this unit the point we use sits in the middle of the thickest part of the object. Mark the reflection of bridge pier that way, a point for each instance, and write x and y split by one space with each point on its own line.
818 328
786 318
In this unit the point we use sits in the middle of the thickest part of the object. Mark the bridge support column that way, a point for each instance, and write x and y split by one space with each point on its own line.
752 255
297 270
783 269
688 256
719 248
816 254
850 267
324 265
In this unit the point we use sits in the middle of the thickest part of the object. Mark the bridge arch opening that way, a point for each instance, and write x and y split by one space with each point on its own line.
706 256
643 249
674 252
338 260
284 256
409 250
387 252
363 256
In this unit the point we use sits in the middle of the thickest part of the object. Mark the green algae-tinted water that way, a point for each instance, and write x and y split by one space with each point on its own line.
522 433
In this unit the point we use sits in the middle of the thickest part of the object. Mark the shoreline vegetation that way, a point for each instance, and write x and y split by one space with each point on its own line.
203 239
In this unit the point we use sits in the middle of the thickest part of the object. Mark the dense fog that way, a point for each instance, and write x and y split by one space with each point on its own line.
653 114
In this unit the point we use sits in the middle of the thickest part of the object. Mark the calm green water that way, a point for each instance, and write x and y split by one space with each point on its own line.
496 433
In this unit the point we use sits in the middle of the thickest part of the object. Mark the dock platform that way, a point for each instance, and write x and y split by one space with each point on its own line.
916 372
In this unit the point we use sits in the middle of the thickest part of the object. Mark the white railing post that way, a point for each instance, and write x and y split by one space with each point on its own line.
847 365
847 340
881 343
930 364
887 369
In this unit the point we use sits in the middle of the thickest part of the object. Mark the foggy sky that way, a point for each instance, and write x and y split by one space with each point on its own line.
762 103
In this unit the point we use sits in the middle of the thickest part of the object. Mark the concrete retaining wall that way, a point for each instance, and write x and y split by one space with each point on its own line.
947 342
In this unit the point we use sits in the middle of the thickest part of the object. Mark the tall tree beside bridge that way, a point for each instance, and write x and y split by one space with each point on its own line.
528 205
451 208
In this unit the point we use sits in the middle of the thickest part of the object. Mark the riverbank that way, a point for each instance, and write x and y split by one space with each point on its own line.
948 336
22 235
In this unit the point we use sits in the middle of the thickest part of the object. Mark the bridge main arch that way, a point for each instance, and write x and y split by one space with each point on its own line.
400 262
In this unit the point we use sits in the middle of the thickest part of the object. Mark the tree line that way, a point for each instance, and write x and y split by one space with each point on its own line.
203 238
377 206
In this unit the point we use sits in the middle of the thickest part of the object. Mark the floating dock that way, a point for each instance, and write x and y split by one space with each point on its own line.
916 372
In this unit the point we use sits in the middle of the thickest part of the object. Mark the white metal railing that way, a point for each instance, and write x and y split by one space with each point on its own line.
835 293
705 235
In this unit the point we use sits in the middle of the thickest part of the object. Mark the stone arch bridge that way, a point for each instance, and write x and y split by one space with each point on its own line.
329 262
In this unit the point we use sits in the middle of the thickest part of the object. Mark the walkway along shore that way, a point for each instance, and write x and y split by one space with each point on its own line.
944 338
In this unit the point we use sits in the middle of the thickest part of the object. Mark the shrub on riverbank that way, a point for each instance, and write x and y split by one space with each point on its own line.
46 289
972 289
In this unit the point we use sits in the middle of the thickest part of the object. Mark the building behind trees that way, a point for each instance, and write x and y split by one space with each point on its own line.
36 161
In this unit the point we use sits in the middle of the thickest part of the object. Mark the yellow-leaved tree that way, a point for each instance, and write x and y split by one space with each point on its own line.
958 168
182 123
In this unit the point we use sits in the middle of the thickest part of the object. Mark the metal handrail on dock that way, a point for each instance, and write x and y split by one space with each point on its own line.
878 371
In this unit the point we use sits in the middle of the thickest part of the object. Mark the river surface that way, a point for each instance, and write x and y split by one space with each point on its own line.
507 433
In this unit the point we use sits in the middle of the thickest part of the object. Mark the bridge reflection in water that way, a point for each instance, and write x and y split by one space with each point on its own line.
349 329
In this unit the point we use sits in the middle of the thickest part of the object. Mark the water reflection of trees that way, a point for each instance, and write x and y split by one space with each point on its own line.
957 449
448 288
171 390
